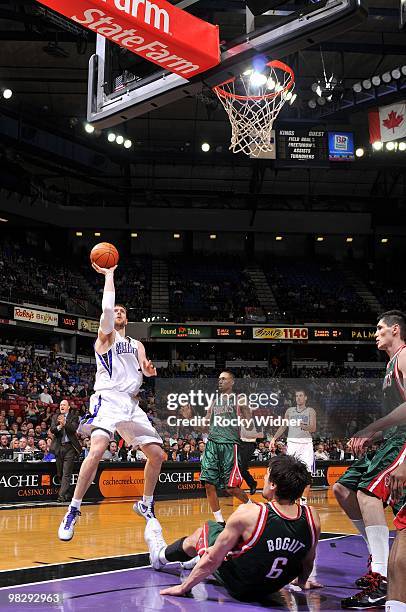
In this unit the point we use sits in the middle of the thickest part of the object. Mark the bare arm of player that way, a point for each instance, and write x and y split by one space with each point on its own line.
214 556
374 431
244 410
279 431
147 367
303 580
312 426
205 428
105 334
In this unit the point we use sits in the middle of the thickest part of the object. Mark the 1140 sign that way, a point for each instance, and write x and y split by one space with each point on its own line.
280 333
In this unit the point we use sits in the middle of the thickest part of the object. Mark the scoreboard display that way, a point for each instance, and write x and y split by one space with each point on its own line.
302 146
328 333
341 146
231 332
343 334
317 333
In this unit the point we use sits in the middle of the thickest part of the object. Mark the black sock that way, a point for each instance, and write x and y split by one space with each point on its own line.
175 552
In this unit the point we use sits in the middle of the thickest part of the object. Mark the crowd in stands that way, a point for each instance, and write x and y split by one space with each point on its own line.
27 435
33 384
132 282
37 275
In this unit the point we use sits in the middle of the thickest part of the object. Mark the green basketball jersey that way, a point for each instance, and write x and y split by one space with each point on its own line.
393 389
273 556
224 428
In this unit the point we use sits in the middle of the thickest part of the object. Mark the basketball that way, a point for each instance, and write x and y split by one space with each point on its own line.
104 255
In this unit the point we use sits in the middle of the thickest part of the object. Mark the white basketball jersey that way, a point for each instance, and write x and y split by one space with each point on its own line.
302 417
119 368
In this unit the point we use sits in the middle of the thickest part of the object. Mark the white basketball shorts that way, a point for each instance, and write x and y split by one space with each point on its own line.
114 411
303 451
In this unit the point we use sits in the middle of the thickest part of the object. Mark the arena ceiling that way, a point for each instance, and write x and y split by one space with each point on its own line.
46 66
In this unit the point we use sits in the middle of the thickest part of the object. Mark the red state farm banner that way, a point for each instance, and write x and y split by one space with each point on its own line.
154 29
387 122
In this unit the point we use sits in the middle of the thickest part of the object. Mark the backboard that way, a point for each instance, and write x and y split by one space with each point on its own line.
123 85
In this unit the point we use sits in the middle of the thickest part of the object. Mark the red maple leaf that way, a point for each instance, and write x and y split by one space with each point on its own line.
393 121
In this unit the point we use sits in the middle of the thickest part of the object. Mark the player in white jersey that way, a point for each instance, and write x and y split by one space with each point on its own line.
302 423
121 364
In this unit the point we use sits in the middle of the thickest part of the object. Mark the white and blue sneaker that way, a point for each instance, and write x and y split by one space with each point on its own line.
144 510
67 526
155 540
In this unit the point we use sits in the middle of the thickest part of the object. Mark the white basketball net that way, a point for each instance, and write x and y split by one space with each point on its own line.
253 103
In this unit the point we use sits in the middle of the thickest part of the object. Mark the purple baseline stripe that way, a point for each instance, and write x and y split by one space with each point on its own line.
340 562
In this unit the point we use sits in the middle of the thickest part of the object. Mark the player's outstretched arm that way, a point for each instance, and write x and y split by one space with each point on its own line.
214 556
374 430
147 366
106 327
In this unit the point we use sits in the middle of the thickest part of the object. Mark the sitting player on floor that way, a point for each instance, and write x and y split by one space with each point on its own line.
262 547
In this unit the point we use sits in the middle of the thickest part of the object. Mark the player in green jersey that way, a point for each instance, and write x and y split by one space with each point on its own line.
262 547
220 462
395 483
362 491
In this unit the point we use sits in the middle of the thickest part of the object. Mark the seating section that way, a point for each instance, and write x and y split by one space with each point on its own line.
306 290
33 274
202 287
210 287
386 284
132 282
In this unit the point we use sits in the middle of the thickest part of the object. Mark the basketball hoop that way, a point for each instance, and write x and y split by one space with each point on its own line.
252 106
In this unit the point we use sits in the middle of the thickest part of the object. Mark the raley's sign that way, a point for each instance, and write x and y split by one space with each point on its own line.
154 29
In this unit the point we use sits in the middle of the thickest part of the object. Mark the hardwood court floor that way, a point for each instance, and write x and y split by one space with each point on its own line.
111 529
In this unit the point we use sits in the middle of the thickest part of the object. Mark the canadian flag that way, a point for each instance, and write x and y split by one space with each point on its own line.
388 122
